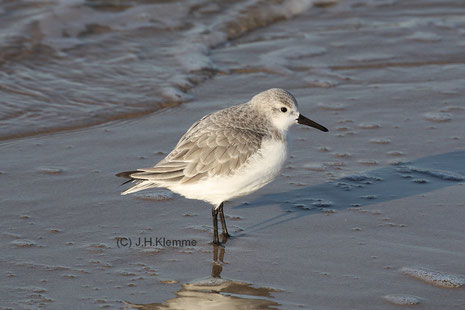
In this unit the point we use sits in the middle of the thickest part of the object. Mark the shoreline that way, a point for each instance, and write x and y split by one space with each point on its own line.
191 61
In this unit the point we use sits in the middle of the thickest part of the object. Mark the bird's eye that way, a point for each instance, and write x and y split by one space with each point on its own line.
283 109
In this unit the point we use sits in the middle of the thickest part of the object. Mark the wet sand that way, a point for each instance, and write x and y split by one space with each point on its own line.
367 216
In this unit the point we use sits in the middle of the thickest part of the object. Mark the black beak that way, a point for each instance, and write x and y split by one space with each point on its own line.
305 121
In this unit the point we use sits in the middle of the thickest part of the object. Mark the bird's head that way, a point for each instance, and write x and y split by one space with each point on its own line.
281 108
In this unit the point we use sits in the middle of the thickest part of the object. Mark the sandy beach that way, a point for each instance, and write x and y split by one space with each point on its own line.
368 216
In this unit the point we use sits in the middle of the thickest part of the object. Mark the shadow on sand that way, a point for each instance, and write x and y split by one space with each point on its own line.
385 184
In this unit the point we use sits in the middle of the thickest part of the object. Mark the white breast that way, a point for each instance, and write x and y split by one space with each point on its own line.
260 169
264 167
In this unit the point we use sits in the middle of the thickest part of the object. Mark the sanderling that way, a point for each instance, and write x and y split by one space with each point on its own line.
227 154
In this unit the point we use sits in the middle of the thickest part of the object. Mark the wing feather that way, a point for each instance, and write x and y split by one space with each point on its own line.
208 148
193 154
210 157
190 171
160 176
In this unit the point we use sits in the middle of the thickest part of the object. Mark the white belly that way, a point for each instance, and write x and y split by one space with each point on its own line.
259 170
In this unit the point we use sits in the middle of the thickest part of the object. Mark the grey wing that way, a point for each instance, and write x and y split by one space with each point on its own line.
202 152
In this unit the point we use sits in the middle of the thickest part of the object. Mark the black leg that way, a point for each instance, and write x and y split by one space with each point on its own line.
223 222
215 226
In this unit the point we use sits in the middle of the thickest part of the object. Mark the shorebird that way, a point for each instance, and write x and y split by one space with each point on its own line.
227 154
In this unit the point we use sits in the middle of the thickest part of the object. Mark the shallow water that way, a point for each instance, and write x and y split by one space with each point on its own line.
69 64
367 216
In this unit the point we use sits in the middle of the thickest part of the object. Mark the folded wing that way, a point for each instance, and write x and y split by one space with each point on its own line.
205 150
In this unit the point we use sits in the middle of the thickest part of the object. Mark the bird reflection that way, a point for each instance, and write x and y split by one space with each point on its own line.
214 292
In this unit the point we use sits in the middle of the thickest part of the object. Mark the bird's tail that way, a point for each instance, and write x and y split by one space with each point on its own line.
139 187
141 184
126 175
